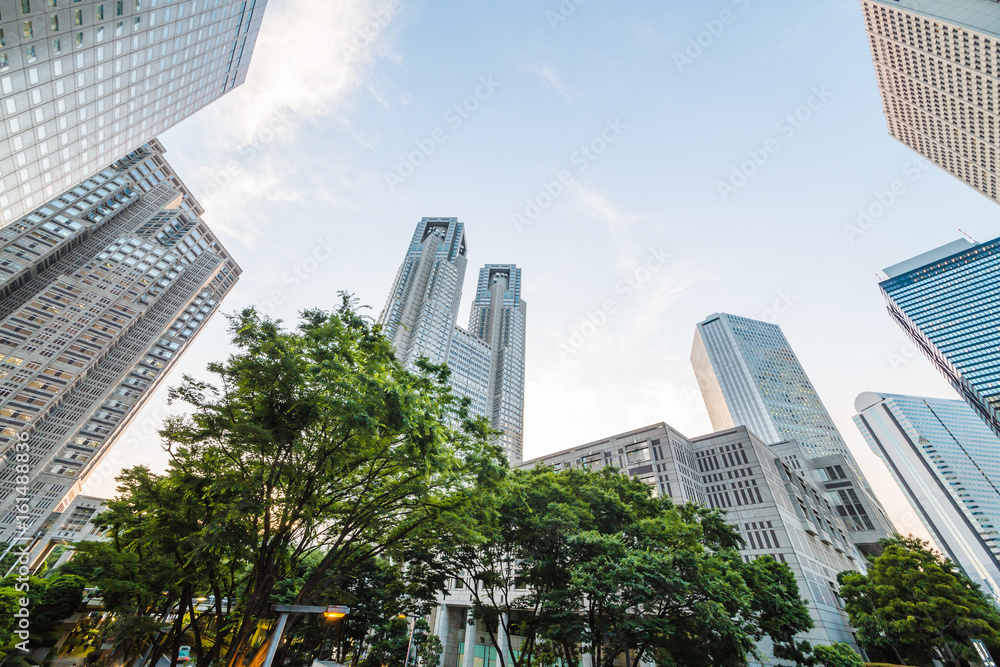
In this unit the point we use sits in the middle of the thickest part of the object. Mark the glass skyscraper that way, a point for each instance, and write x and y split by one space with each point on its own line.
749 376
101 290
947 462
84 82
937 70
487 359
946 302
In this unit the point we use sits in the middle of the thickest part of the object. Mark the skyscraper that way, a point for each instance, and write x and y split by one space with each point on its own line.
101 290
945 300
498 317
947 463
487 359
749 376
85 82
938 71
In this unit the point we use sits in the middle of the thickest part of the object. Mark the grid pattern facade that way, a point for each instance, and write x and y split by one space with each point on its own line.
487 359
111 284
499 317
422 308
947 462
937 63
948 308
762 383
83 82
769 496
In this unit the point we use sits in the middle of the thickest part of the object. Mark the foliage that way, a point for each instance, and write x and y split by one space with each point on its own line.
314 453
59 599
837 655
582 558
9 604
916 606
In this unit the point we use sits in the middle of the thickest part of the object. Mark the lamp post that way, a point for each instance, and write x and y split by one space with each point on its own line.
330 612
409 644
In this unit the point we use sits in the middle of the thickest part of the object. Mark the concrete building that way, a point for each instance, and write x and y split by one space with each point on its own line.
772 495
84 82
947 463
487 359
945 301
68 527
937 63
749 376
101 290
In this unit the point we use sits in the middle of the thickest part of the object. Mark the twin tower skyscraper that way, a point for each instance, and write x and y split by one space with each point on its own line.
487 359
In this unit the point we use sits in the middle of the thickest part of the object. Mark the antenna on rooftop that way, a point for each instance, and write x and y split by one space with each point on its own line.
974 241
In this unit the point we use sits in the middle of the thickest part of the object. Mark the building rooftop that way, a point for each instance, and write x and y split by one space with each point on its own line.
929 257
979 15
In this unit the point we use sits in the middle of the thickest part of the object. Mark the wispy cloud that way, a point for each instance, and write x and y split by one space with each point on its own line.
601 208
551 76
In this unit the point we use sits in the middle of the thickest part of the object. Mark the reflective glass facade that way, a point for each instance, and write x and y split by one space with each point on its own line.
947 462
83 82
948 306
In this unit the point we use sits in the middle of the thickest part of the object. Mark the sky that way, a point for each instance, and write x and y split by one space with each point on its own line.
646 164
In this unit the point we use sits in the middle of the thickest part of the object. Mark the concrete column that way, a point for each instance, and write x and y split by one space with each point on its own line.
503 640
441 630
586 660
469 652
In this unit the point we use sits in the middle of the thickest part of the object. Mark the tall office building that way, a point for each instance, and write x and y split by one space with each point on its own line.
498 318
487 359
772 495
947 462
749 376
84 82
945 300
938 68
101 290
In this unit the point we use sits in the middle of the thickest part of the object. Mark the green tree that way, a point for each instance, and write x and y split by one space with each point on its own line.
915 605
313 444
60 599
573 558
837 655
9 605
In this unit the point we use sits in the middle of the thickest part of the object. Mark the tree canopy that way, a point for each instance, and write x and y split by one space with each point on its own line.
914 605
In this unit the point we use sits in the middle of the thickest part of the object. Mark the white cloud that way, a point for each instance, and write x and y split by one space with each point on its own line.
601 208
551 76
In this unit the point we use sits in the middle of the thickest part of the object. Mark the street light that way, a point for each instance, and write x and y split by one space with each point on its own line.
409 644
331 612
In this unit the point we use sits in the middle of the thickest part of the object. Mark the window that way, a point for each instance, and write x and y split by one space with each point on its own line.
27 30
77 17
78 39
56 47
25 6
4 64
100 33
99 13
54 23
31 54
118 29
119 7
2 42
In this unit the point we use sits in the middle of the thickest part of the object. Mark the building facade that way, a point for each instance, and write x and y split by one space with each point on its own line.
101 290
486 359
947 463
749 376
771 496
70 526
83 82
945 301
937 63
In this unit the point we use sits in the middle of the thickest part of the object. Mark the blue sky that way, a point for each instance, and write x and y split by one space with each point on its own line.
643 109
